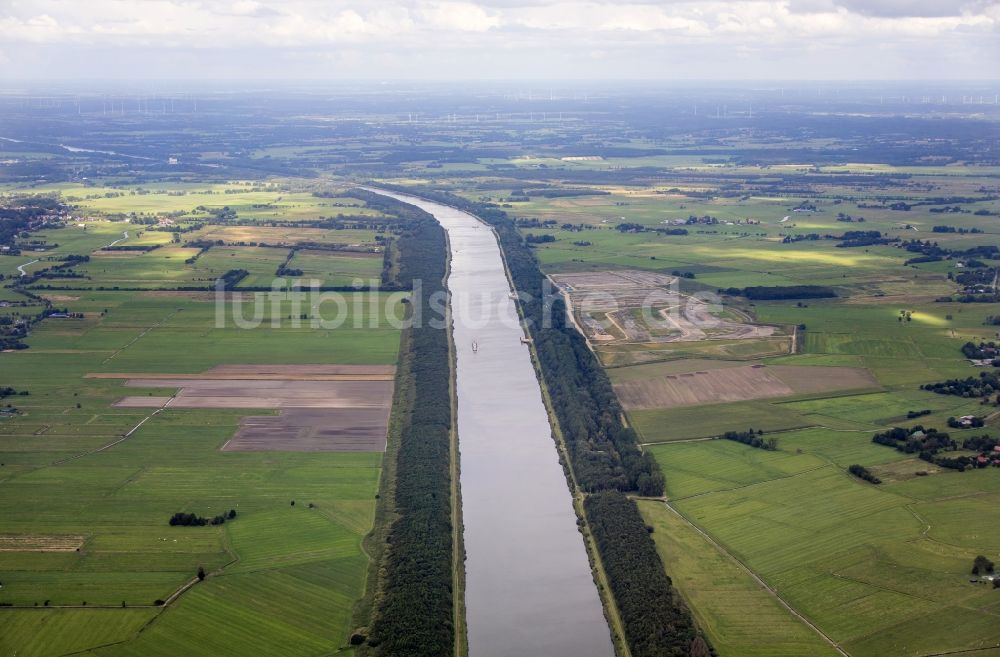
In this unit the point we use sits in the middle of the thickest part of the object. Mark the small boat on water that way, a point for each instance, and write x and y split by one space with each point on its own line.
475 346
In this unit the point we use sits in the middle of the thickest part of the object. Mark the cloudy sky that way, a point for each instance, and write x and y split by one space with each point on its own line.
500 39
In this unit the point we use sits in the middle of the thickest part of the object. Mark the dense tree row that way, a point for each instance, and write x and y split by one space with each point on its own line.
284 270
781 292
970 298
203 247
929 444
657 622
916 439
952 229
982 386
232 278
414 613
960 463
639 228
181 519
861 472
753 439
980 443
802 237
7 391
922 259
929 248
858 238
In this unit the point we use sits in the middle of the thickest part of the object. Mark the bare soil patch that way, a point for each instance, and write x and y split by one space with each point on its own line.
298 371
807 380
308 430
211 393
150 401
340 254
683 366
180 294
631 306
701 387
264 372
729 384
322 407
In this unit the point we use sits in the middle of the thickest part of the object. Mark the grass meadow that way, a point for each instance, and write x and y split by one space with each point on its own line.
283 579
870 565
882 570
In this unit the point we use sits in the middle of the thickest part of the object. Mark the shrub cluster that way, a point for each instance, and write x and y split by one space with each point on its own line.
982 351
861 472
982 566
930 442
233 277
7 391
917 439
859 238
753 439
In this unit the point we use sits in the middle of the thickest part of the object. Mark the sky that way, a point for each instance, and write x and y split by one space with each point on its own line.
499 39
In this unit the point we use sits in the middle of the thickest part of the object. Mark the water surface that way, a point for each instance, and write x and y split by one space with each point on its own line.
529 588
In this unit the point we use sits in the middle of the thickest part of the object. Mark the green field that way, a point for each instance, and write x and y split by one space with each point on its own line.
881 570
773 550
869 565
282 579
255 200
739 616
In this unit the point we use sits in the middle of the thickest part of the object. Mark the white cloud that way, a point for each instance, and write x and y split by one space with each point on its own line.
458 16
394 31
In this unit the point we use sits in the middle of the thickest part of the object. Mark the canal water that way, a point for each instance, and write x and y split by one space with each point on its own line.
529 588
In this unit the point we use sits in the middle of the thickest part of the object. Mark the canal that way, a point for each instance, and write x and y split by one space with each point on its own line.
529 588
